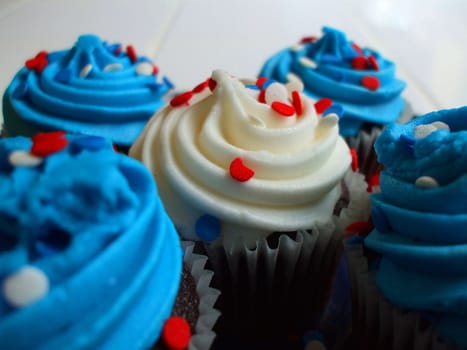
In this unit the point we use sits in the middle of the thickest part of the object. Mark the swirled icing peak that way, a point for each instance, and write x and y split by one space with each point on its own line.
421 218
93 88
359 79
244 156
85 246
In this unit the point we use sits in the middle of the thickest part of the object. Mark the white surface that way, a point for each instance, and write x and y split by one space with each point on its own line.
190 38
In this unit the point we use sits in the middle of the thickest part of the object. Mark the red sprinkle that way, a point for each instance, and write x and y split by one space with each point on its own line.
155 69
38 63
45 147
212 84
240 171
260 81
176 333
371 83
297 102
262 96
181 99
359 63
353 154
357 48
363 228
322 104
201 86
44 136
373 182
373 63
283 109
131 52
308 39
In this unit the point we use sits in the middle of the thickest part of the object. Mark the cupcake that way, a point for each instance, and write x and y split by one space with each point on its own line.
86 245
94 88
420 220
357 83
251 169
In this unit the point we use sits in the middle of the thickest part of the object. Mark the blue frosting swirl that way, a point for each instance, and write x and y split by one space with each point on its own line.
91 221
334 78
422 232
94 88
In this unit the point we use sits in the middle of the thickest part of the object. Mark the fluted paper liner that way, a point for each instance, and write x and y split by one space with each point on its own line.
378 324
204 335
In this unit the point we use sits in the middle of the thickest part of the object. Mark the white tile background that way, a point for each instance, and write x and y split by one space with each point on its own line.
190 38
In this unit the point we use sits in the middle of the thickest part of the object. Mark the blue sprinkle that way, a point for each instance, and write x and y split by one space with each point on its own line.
407 142
267 83
336 109
253 87
208 227
168 82
144 59
154 86
64 75
21 91
379 220
91 143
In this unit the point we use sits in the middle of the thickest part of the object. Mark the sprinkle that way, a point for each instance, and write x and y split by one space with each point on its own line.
112 67
155 69
371 83
296 47
45 145
426 182
23 158
21 91
276 92
283 108
131 52
357 48
308 39
267 83
91 143
176 333
359 63
322 104
354 156
168 82
329 122
207 227
373 182
118 50
252 87
307 62
260 81
441 125
181 99
52 243
201 86
64 75
297 102
144 68
423 130
261 96
336 109
379 219
363 228
373 63
38 63
212 84
25 286
44 136
240 171
85 70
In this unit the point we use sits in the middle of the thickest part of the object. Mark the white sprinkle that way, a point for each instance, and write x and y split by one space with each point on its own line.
296 47
329 121
294 83
306 62
423 130
315 345
144 68
441 125
276 92
85 70
112 67
23 158
426 182
25 286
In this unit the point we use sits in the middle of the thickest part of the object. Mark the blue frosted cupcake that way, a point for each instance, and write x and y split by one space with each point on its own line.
420 220
94 88
85 247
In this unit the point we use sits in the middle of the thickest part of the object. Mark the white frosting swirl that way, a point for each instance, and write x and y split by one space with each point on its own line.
298 161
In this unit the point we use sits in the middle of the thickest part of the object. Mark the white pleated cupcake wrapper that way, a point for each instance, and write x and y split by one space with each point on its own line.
204 335
378 324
